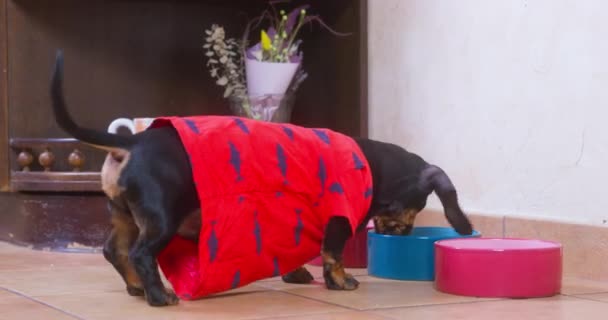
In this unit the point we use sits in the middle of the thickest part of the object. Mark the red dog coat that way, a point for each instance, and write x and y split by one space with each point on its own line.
266 190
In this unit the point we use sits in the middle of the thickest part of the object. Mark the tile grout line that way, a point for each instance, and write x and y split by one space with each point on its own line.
41 303
479 301
582 297
436 304
381 316
384 308
300 315
61 294
309 298
312 299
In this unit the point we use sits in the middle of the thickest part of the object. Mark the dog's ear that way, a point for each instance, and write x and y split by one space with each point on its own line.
433 178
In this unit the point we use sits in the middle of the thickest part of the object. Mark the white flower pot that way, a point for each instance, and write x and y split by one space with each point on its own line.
264 78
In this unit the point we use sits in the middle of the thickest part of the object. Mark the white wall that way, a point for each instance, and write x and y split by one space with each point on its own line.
510 97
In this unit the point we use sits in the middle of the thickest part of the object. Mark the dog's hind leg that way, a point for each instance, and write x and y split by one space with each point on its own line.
299 276
337 232
155 232
117 246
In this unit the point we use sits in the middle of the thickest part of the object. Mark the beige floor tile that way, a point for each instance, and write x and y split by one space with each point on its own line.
63 280
575 286
20 258
280 285
317 271
15 307
270 279
603 297
373 293
246 304
5 294
351 315
556 308
37 273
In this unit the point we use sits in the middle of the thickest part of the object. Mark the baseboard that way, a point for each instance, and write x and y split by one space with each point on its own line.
69 222
585 247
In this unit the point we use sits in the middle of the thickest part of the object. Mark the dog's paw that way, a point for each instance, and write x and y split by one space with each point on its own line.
345 282
350 283
463 226
335 276
298 276
159 298
135 291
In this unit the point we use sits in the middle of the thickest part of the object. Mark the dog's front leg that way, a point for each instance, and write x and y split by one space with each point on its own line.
337 232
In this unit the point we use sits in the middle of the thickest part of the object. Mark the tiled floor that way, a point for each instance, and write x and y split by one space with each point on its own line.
44 285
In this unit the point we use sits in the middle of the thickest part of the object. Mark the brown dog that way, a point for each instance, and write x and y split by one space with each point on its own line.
140 168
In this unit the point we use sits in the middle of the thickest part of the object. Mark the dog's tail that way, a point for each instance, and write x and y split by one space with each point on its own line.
435 179
97 138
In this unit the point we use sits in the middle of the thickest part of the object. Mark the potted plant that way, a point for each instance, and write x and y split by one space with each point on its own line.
260 81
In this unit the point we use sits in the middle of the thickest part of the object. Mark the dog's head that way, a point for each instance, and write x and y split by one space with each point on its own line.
395 219
409 198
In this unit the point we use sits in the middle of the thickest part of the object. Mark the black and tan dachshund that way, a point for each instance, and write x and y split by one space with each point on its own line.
140 168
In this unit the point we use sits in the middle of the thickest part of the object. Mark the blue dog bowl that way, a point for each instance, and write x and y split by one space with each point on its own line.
410 257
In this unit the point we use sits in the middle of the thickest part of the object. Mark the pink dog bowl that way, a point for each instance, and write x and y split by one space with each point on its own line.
507 268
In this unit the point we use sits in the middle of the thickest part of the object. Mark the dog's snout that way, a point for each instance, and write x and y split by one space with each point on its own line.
407 230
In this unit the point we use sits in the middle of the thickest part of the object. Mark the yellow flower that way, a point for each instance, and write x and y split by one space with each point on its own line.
266 42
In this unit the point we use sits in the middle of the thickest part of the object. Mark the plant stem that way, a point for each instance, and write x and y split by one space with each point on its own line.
247 107
279 43
295 31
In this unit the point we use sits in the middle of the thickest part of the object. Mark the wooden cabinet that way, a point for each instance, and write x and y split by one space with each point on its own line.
136 59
